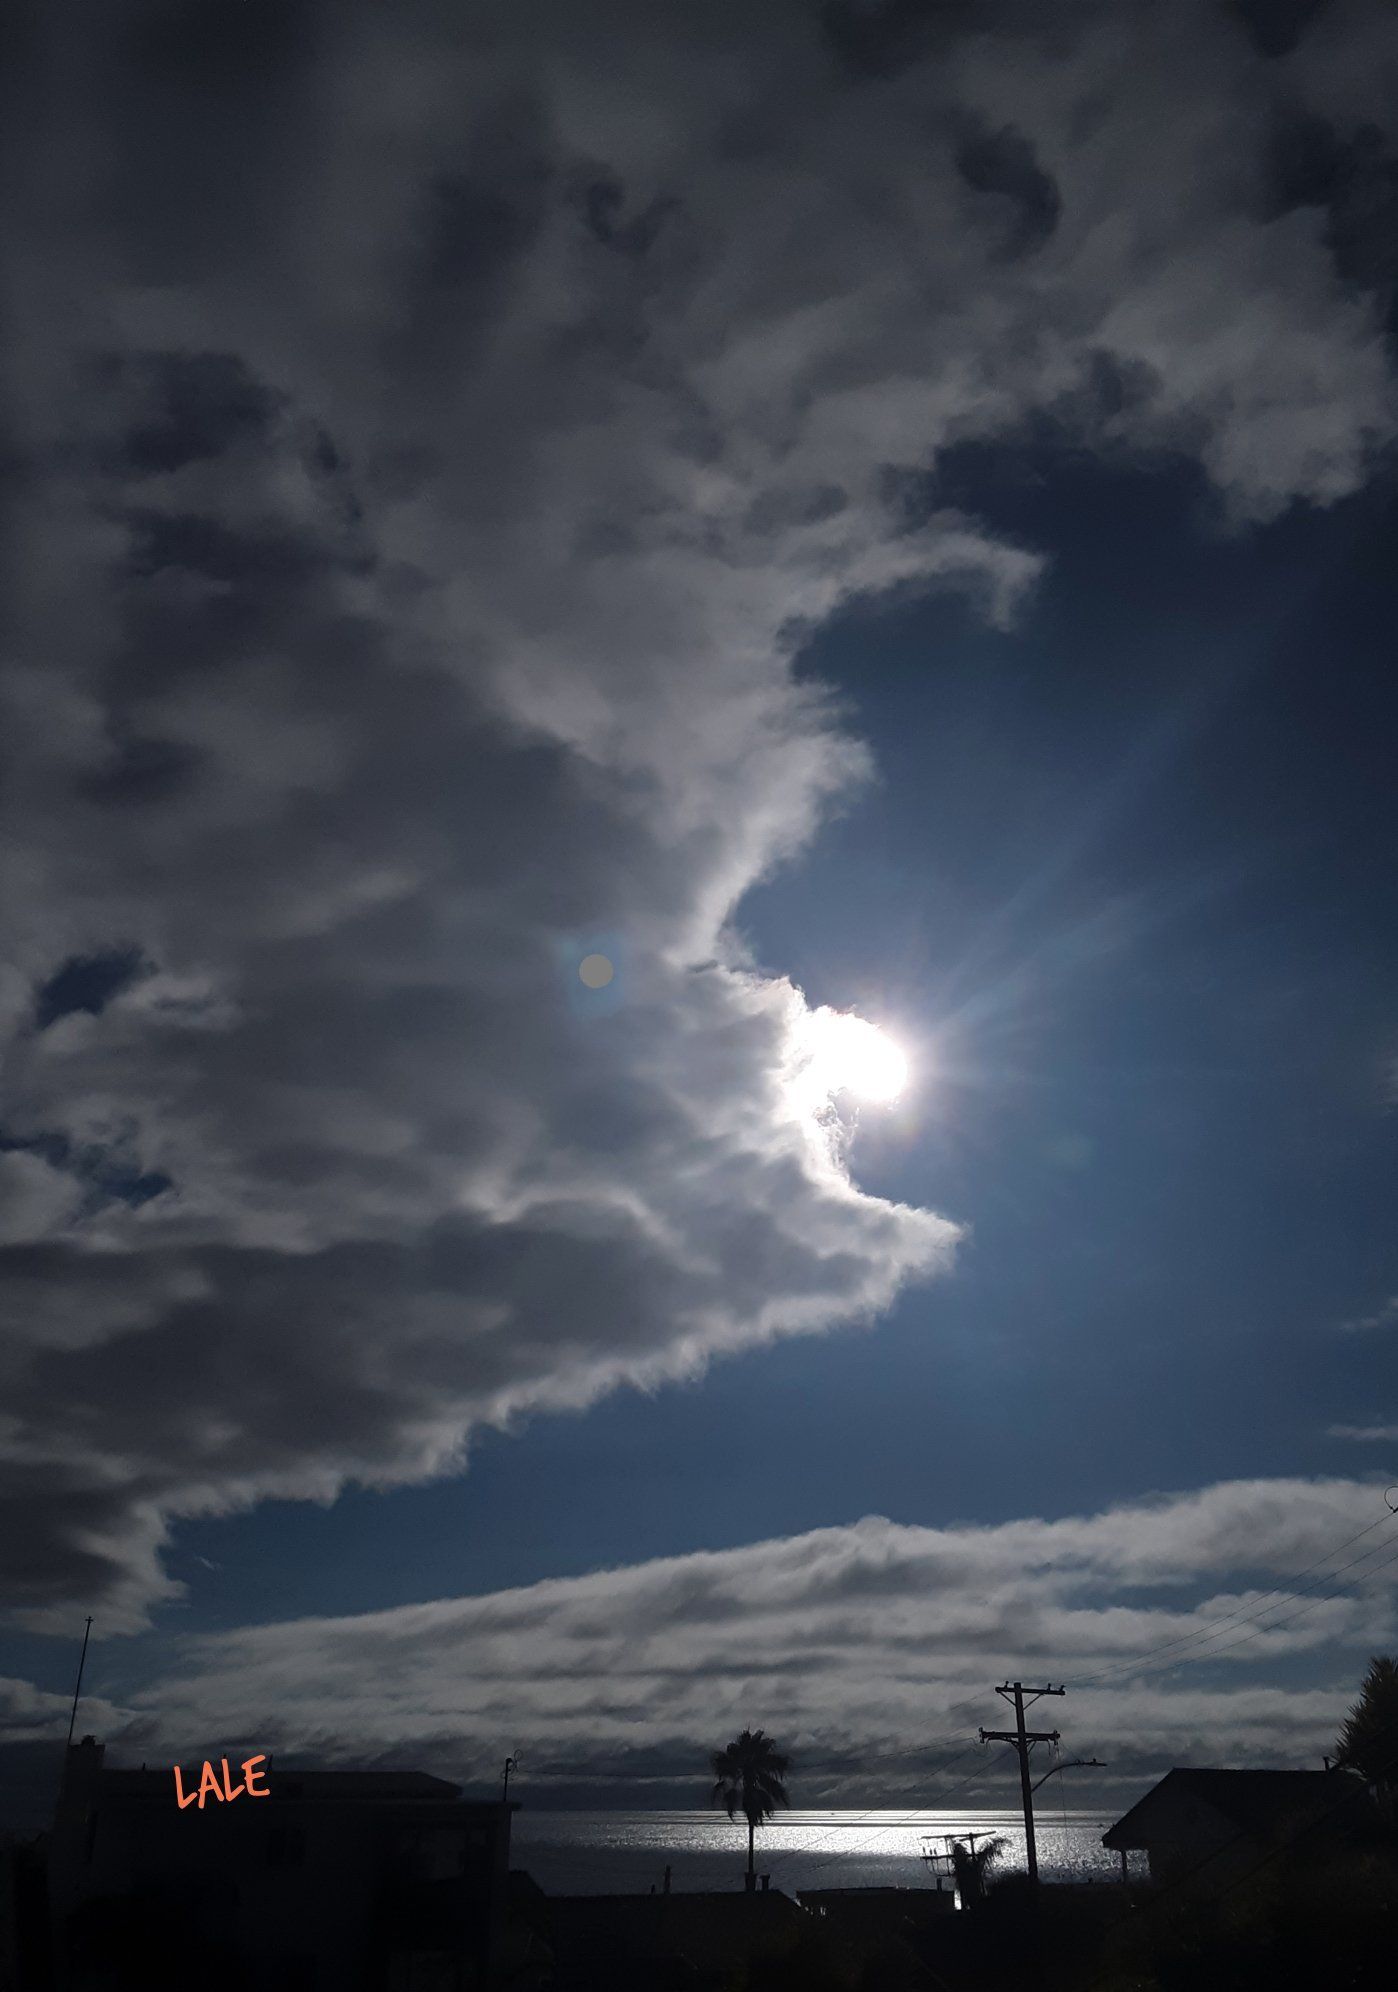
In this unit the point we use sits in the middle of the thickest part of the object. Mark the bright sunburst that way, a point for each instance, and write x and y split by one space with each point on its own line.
847 1054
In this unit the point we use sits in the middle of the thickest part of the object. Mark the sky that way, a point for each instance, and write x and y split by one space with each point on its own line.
863 509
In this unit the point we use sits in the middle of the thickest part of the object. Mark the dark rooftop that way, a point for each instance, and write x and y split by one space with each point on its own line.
1256 1802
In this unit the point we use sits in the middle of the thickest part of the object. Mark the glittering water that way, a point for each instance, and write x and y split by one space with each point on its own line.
600 1853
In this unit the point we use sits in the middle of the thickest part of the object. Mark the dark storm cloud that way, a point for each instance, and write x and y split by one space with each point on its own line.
1351 176
1276 26
196 405
433 430
875 38
87 983
107 1170
1003 164
613 222
194 124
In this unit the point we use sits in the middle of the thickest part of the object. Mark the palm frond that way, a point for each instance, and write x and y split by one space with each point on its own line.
749 1773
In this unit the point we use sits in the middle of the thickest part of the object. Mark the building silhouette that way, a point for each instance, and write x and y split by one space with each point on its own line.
360 1881
1205 1828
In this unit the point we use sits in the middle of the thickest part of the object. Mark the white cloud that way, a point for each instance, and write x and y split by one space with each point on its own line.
1380 1318
35 1199
407 576
30 1715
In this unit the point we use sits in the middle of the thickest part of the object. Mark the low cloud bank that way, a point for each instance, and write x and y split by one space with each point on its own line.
872 1650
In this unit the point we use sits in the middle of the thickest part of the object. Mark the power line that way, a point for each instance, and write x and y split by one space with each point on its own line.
880 1832
890 1826
1152 1654
1249 1619
1062 1790
971 1701
897 1825
1289 1618
1135 1669
849 1825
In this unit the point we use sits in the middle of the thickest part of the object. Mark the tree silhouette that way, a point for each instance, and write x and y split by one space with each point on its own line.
1368 1741
971 1865
749 1773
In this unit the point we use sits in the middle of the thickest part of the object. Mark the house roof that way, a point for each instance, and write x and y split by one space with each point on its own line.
1259 1803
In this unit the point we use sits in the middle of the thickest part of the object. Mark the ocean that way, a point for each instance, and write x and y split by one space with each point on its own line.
624 1853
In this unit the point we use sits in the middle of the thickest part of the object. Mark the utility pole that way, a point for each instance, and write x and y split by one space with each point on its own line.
1022 1741
511 1764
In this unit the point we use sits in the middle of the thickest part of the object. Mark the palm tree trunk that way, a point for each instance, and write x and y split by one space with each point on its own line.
751 1830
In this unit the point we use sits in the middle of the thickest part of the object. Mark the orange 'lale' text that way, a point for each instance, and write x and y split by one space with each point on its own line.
210 1785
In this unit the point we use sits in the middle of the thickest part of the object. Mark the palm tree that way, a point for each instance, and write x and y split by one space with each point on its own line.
749 1775
1368 1741
971 1865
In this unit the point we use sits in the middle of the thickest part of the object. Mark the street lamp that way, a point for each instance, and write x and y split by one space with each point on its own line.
1073 1764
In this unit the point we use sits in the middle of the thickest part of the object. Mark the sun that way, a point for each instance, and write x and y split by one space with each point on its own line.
842 1053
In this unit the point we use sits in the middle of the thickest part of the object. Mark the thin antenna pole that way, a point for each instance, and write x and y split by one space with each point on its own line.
79 1688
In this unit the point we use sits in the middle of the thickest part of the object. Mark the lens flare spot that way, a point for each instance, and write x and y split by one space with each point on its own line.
595 971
